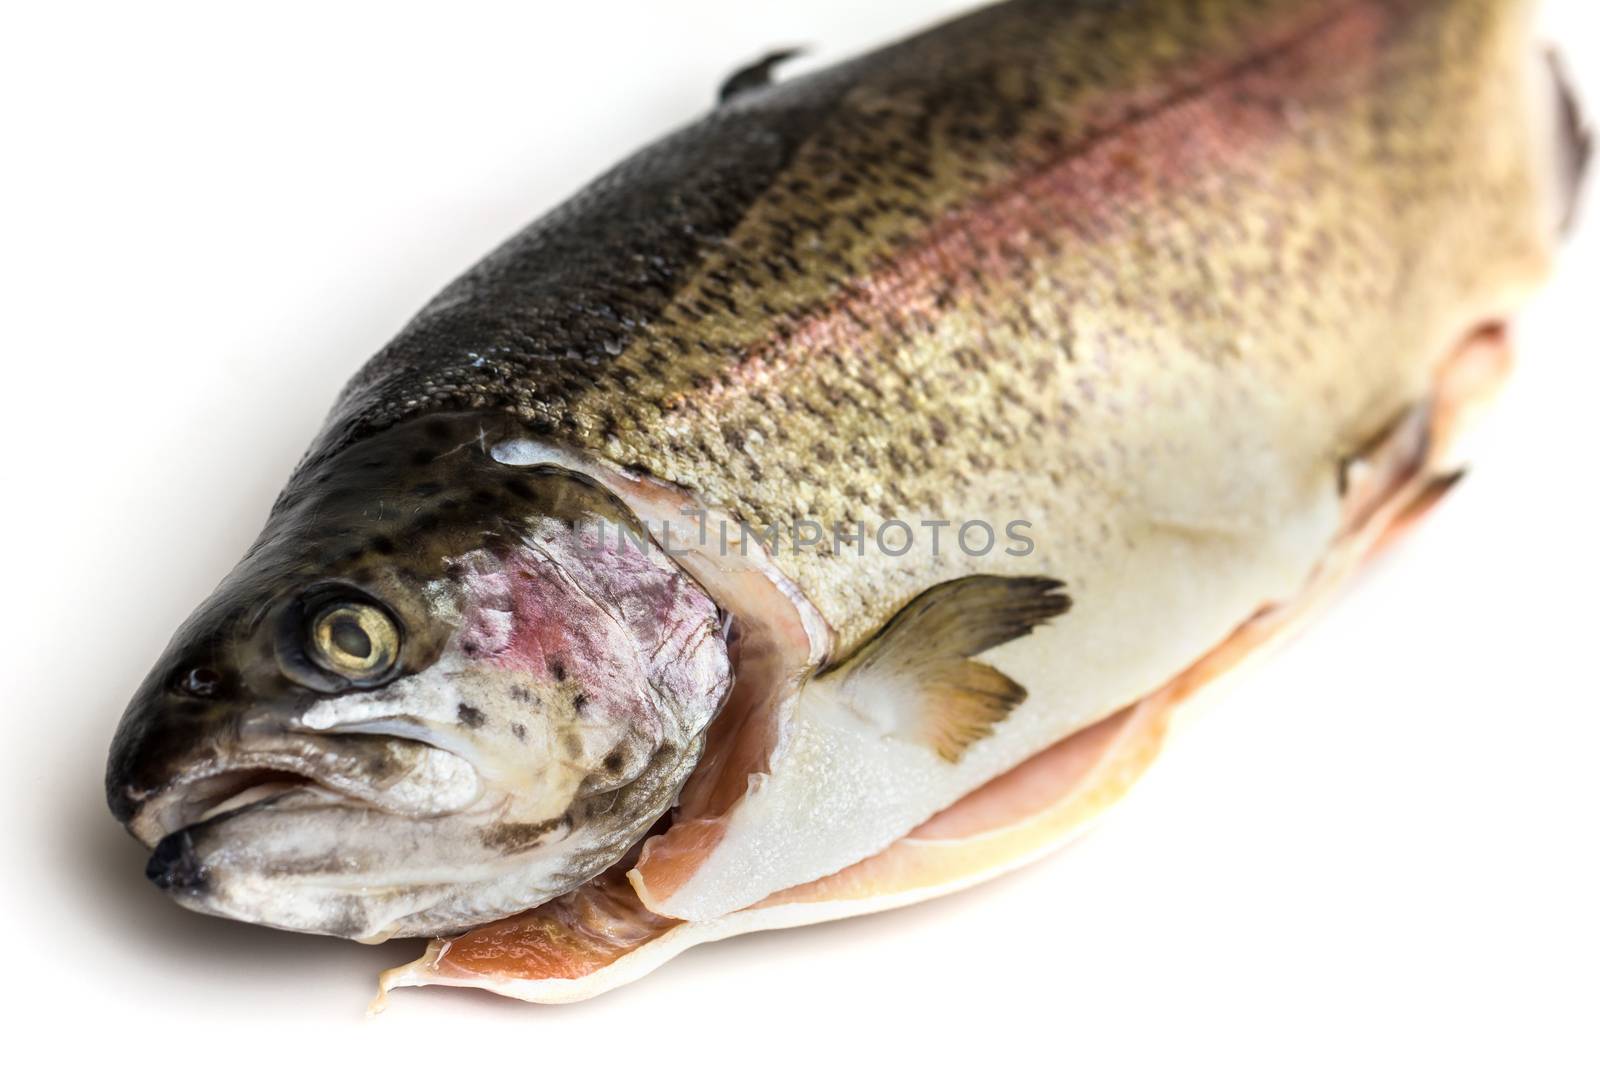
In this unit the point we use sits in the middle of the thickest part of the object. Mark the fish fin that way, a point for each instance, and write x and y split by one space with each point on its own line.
1371 474
920 661
755 75
1577 141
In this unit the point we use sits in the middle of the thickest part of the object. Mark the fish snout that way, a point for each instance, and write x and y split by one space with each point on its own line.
163 738
380 772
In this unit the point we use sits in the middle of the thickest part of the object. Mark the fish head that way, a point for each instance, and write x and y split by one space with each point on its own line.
438 690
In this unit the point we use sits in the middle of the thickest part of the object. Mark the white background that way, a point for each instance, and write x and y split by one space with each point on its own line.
1381 842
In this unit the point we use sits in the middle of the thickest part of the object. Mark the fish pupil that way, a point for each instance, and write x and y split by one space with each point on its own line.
351 639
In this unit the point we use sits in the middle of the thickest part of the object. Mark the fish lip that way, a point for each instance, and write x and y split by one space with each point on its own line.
213 788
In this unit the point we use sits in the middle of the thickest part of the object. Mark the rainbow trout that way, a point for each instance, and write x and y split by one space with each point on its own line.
869 464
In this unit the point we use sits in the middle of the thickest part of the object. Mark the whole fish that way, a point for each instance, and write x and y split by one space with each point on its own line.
825 508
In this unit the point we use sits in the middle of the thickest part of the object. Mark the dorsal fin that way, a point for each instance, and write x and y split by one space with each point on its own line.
754 75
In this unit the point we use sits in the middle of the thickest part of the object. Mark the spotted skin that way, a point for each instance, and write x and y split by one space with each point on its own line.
953 278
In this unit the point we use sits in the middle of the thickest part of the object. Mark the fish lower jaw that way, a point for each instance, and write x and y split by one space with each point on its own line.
293 862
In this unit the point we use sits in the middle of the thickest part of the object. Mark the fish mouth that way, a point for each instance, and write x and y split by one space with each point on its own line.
383 772
191 802
342 834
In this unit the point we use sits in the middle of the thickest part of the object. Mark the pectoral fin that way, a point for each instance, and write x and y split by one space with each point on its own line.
917 678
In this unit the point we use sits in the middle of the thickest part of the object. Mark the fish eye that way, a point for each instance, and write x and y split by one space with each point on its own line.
358 641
